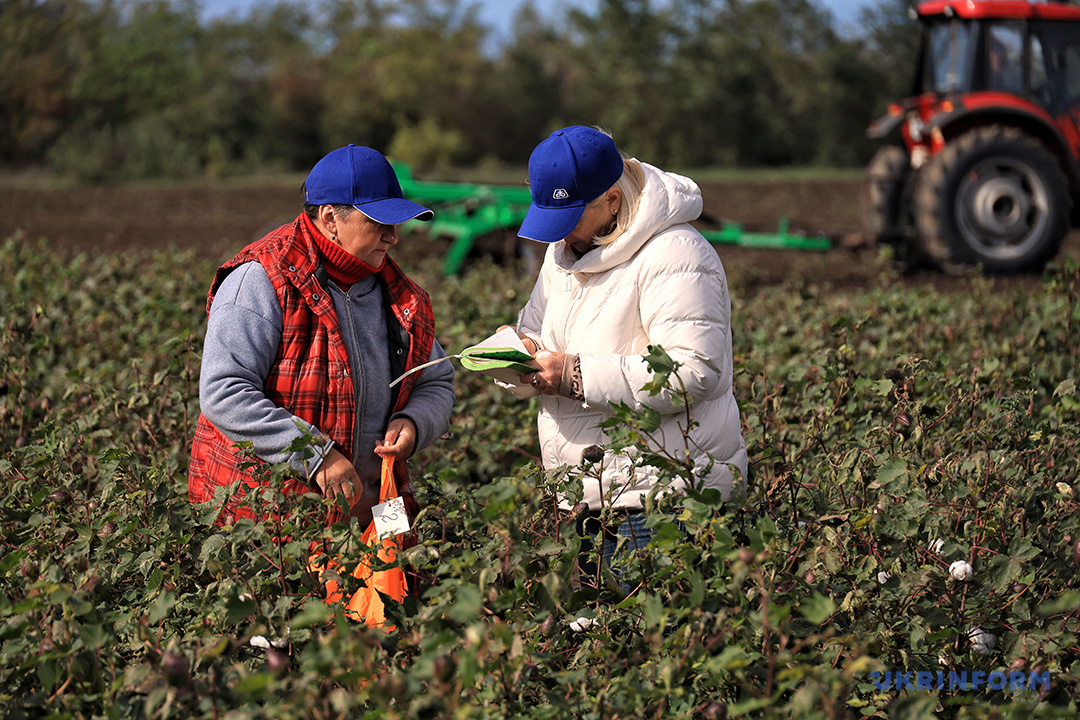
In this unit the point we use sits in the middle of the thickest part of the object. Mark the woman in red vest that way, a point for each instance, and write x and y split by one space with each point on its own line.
307 328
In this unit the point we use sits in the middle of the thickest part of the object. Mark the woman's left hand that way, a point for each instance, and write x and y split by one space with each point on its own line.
399 441
548 376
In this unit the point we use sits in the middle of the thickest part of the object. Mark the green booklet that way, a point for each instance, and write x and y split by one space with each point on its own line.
501 356
485 360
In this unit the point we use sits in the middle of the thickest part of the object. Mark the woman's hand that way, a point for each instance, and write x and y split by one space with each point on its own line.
337 476
526 341
549 372
399 441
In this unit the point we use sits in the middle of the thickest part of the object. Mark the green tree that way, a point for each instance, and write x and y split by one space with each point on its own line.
268 62
39 53
129 93
408 75
623 79
524 99
892 41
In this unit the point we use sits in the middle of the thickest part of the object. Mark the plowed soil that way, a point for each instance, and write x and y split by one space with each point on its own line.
216 222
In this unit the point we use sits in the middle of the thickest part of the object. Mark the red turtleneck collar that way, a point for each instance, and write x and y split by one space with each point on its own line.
343 267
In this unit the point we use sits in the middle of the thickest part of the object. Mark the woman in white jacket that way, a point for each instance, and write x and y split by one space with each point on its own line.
625 270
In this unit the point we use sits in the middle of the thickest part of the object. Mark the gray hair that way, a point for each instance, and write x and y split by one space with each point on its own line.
312 211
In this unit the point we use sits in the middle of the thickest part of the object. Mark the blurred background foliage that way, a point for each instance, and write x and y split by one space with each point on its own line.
104 91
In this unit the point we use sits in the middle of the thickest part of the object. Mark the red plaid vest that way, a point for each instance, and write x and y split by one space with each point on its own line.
310 376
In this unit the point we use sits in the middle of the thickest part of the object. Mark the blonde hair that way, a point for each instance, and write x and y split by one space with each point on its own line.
630 184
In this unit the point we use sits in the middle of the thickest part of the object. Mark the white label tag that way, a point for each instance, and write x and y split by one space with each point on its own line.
390 518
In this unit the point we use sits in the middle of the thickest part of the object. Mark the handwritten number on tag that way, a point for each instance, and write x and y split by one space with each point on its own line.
390 518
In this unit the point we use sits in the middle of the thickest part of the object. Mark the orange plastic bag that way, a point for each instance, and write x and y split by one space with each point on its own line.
366 605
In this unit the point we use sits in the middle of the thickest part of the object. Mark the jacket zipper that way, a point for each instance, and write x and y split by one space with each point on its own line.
358 379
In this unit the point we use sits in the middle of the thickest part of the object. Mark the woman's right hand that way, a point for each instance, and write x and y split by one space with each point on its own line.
526 341
337 476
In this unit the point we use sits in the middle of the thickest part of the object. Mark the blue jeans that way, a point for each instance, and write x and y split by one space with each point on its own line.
627 524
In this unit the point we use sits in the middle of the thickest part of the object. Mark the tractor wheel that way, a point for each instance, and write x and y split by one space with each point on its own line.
887 208
884 188
993 197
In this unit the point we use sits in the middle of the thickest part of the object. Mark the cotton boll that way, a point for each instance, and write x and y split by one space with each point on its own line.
982 642
935 546
960 571
883 577
581 624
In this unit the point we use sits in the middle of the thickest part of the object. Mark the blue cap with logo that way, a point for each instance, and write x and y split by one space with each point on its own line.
361 177
567 171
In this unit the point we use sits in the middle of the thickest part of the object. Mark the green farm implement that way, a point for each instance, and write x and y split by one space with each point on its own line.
467 211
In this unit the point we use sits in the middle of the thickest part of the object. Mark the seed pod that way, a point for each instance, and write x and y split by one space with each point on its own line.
60 496
107 529
175 667
29 569
445 665
592 454
393 685
277 662
548 626
715 711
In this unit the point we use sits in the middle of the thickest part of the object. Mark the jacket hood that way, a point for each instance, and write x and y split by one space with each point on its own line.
667 199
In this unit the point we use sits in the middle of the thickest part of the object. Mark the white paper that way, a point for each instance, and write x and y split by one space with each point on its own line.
390 518
507 337
508 379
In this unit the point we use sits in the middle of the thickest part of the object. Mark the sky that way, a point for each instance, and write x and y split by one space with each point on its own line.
500 13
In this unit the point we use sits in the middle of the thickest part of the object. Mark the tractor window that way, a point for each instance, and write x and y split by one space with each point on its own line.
1060 50
1038 79
1005 57
948 57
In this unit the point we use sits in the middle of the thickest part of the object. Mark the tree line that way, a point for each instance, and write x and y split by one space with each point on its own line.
105 91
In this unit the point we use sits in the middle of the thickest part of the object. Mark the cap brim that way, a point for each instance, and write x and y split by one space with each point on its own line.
394 211
548 225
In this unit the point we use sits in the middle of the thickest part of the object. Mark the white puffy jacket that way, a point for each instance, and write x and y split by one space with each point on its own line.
660 283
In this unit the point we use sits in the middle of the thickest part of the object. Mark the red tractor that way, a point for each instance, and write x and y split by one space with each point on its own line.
988 172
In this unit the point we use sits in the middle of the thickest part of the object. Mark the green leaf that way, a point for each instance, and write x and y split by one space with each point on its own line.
10 560
1067 602
210 548
256 684
160 608
817 608
312 613
890 471
466 605
238 609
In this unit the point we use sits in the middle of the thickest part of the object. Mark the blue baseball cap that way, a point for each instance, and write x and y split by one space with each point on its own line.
361 177
567 171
